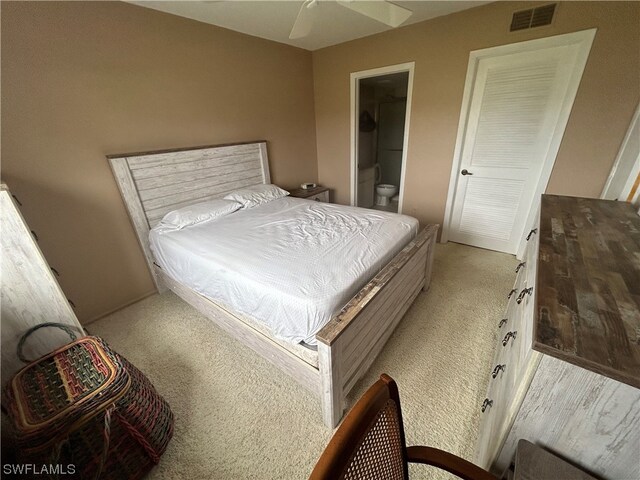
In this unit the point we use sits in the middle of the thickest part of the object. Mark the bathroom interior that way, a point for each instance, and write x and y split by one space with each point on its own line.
381 120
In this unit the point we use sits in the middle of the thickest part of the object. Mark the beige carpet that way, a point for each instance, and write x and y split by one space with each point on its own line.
239 417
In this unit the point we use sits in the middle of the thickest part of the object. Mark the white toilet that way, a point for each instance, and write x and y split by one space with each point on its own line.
385 191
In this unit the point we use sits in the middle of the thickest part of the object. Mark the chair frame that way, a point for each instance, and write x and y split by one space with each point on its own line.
337 456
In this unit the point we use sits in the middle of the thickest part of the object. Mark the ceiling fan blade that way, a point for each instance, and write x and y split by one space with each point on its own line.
304 20
382 11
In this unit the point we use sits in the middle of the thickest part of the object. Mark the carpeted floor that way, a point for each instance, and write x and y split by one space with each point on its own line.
239 417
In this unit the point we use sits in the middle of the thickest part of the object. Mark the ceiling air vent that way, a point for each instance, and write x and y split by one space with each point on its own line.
534 17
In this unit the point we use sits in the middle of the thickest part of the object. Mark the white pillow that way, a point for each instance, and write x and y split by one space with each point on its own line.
257 194
199 212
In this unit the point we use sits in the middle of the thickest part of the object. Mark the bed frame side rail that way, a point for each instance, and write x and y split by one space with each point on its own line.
292 365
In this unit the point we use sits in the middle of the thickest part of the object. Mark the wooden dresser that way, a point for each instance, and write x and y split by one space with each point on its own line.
566 371
30 293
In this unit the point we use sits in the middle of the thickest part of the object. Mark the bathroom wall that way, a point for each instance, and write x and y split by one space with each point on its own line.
367 140
391 98
391 120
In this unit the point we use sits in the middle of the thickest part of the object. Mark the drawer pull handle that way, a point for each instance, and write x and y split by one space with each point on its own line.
502 322
532 232
486 403
497 370
511 293
506 338
520 265
525 291
55 271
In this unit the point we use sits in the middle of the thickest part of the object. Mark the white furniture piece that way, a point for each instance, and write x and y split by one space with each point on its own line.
566 371
154 183
30 293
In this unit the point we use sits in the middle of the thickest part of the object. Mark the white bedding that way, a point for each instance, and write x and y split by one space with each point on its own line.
290 263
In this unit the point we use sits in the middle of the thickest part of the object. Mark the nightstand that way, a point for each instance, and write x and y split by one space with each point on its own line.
319 194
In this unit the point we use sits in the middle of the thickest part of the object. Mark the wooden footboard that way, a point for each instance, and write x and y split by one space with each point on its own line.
350 342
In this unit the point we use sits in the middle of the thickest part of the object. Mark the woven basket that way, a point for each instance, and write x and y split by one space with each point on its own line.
85 405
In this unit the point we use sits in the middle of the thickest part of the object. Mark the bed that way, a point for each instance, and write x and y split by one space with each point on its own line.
155 183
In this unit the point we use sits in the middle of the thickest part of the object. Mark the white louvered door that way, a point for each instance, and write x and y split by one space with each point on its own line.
518 109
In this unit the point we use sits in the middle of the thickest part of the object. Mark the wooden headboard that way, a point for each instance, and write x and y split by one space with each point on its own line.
155 183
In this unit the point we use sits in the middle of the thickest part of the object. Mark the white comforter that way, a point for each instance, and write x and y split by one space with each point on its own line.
290 263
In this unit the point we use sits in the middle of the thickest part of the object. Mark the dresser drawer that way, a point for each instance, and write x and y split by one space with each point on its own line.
531 257
513 293
320 197
528 313
509 319
529 300
489 414
498 403
495 418
506 370
505 366
504 373
508 350
522 323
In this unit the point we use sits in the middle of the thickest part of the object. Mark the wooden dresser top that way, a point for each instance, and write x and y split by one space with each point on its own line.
588 285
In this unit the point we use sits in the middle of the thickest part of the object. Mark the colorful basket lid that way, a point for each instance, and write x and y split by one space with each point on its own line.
59 392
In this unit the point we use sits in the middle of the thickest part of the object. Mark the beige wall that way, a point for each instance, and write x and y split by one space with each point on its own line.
84 79
603 108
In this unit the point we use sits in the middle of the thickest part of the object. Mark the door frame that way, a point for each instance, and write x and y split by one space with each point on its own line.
582 38
354 108
618 186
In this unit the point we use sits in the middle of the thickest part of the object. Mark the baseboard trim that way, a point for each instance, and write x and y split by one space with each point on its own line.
125 305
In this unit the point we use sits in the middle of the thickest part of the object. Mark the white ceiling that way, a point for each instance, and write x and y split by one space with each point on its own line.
273 19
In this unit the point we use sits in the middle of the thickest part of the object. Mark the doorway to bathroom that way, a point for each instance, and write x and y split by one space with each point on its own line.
380 112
